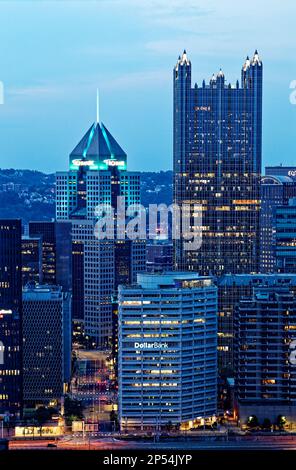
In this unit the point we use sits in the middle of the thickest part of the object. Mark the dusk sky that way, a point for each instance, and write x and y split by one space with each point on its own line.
55 54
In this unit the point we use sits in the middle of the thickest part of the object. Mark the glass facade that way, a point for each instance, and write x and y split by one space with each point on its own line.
217 164
265 378
98 266
10 318
275 191
285 238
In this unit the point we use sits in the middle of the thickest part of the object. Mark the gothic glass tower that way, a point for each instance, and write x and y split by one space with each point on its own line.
217 164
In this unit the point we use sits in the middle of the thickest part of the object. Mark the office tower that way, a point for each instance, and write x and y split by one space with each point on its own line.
47 343
265 376
63 231
217 165
167 351
285 238
77 281
10 318
281 170
46 231
56 251
231 289
275 191
159 256
98 176
31 259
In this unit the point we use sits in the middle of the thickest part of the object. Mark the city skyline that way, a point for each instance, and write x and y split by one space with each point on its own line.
148 283
130 62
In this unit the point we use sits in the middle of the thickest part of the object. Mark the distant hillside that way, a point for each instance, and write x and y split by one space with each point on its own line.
30 195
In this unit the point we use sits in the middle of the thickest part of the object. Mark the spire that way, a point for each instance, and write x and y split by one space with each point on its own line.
220 73
256 59
247 64
98 107
183 60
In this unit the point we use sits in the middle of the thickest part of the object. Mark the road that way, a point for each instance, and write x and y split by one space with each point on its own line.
93 385
117 444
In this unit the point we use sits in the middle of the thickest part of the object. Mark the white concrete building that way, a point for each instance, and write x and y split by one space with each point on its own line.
167 351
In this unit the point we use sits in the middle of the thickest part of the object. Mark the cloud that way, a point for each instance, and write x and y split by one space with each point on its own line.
36 91
137 79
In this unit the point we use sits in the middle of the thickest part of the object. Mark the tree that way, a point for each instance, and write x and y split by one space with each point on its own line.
252 421
114 420
266 423
73 409
42 415
281 421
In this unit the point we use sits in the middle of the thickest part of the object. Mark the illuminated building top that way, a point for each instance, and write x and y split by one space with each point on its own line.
98 150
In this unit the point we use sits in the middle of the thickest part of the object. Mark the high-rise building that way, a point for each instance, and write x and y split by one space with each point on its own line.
281 170
10 318
46 231
167 358
217 166
97 177
265 373
31 259
285 238
47 343
231 289
159 256
275 191
56 243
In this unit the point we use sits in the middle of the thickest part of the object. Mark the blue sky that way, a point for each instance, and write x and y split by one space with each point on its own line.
54 54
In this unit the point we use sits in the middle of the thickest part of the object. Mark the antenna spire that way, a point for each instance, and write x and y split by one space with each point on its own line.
98 107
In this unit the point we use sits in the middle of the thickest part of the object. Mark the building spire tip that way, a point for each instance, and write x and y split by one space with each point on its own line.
98 107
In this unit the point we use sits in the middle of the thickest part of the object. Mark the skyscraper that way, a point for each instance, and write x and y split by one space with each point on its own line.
47 343
217 165
97 177
231 289
31 259
281 170
167 351
275 191
55 239
265 373
10 318
46 231
285 238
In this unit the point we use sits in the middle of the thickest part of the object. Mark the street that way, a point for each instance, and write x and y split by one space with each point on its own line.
93 385
109 443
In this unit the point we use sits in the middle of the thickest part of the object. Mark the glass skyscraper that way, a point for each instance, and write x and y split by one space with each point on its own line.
275 191
98 176
265 375
217 165
10 318
285 238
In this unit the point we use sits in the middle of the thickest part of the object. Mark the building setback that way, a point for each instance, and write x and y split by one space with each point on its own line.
217 166
167 351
